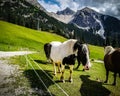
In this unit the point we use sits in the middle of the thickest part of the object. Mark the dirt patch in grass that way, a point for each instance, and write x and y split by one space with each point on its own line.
12 80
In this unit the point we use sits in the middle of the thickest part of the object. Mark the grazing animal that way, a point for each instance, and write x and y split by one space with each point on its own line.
112 62
70 60
83 56
58 51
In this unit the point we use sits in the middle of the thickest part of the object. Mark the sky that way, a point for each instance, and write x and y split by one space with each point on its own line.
108 7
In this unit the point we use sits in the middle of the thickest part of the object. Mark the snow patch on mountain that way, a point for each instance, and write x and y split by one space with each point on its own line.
83 28
101 30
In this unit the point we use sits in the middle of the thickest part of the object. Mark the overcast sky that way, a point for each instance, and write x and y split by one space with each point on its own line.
108 7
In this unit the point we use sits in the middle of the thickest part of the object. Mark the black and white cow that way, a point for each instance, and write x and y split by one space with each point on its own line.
57 51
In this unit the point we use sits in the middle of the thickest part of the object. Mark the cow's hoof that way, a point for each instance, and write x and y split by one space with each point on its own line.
71 80
114 84
105 81
54 74
62 79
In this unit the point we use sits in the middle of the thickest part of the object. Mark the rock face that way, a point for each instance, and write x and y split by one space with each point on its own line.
96 22
65 15
66 11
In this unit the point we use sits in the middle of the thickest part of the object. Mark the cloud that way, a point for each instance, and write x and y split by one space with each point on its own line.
68 3
112 9
109 7
54 7
49 6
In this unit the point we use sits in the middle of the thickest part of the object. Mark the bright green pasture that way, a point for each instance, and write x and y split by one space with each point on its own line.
85 83
14 37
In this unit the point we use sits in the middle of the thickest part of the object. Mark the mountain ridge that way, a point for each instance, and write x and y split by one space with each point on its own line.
66 11
89 20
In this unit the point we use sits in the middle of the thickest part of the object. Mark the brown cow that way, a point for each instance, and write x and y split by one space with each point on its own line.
112 62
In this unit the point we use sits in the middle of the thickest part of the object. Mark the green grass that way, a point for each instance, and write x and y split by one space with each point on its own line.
88 83
14 37
96 52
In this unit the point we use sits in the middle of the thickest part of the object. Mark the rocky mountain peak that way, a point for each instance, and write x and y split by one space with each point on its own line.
66 11
87 9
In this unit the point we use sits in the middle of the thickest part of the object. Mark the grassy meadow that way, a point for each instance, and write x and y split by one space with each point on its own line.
37 74
14 37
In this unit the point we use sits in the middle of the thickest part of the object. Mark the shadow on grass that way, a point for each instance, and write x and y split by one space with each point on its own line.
36 84
79 70
92 88
41 61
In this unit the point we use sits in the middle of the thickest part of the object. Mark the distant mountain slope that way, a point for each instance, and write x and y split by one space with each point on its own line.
32 15
35 3
90 21
63 18
65 15
87 19
99 23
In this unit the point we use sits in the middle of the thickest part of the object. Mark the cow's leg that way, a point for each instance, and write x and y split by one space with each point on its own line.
78 60
59 69
114 82
54 67
107 73
62 76
71 70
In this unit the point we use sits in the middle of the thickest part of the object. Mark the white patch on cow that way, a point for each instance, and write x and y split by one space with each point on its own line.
109 50
88 60
59 51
